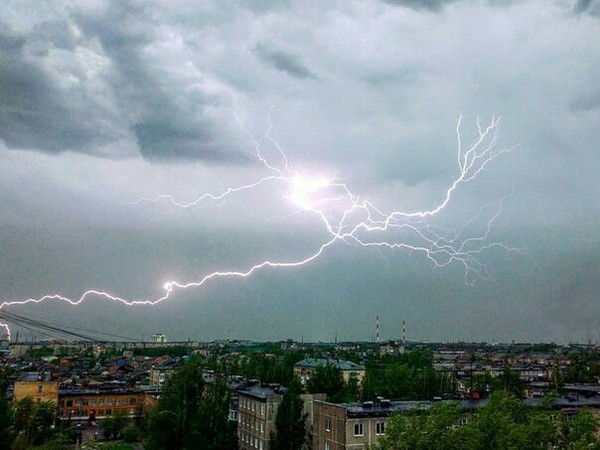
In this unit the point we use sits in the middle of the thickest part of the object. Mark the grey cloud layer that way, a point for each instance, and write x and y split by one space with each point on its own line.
285 62
85 83
368 90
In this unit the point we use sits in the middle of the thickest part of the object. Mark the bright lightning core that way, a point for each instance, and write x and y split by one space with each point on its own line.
351 219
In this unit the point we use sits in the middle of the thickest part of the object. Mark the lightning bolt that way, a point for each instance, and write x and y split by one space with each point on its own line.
351 219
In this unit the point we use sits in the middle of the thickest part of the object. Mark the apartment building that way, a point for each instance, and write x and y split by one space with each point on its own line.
257 407
352 426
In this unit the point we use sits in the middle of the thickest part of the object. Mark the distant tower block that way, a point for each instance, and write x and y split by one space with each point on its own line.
159 338
377 328
404 332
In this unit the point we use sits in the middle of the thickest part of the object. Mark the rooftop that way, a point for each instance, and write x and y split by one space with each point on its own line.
341 364
258 390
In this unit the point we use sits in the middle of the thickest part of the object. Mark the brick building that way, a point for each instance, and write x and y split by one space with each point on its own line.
352 426
91 404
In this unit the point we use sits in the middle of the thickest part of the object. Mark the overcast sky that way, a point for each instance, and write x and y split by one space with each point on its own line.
103 103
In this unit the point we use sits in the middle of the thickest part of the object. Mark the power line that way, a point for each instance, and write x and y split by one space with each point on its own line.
56 328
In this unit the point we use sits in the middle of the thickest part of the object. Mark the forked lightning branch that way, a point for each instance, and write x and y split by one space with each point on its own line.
349 218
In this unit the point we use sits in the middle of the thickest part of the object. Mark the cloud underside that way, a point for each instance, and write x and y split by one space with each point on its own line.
123 80
85 85
282 61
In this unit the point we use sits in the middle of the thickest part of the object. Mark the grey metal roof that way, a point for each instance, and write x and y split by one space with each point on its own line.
341 364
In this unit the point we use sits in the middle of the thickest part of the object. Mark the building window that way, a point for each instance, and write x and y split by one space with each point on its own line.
93 402
327 425
380 428
132 401
69 403
100 402
262 409
358 429
327 446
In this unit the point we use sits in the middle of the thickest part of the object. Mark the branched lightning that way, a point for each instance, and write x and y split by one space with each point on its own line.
351 219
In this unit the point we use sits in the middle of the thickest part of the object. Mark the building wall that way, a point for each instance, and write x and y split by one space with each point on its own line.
97 406
329 426
369 431
39 391
359 374
158 376
334 430
304 374
256 420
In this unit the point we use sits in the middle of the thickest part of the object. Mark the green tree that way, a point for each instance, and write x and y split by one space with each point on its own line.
212 426
190 412
352 389
327 379
5 413
503 423
171 423
580 431
290 422
34 422
511 383
438 427
112 427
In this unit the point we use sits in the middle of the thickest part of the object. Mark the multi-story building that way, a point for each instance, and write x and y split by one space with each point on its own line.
161 372
254 405
92 404
257 407
159 338
38 385
352 426
305 368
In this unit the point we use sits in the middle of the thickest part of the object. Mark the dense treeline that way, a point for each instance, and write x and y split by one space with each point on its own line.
408 376
154 352
503 423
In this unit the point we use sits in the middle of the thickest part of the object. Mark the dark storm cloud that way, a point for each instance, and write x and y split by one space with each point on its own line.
591 7
128 104
586 103
283 61
438 5
581 6
165 126
33 111
433 5
402 77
